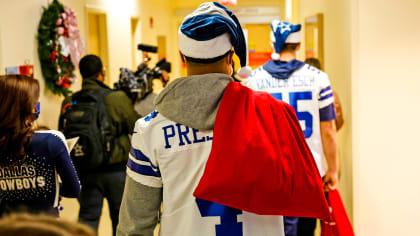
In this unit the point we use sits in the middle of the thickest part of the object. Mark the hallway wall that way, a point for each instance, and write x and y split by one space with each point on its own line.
385 64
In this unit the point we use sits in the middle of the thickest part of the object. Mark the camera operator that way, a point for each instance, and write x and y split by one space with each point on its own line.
139 85
144 105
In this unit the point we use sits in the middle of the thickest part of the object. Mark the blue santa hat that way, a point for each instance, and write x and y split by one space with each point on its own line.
210 32
283 32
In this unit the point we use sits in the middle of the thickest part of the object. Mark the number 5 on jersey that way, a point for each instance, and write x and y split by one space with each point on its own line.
305 116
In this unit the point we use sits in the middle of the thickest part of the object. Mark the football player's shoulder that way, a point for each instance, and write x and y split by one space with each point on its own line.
148 131
150 122
256 76
314 71
257 73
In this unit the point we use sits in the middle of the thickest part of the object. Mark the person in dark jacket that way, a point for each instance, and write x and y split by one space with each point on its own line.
30 161
106 181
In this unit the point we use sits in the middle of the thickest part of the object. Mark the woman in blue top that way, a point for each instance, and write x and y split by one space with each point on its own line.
30 162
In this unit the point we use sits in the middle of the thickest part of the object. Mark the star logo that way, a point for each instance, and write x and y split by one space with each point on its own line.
78 150
284 27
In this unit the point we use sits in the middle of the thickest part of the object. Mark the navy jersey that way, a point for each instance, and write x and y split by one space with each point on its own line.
33 182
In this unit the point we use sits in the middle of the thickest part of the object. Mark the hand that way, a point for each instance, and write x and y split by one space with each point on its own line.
330 180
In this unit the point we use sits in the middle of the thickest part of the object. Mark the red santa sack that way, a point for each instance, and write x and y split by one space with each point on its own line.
338 223
260 161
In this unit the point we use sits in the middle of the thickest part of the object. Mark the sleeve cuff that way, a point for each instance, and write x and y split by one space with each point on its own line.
327 113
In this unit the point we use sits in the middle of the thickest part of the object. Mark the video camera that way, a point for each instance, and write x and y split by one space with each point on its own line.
139 83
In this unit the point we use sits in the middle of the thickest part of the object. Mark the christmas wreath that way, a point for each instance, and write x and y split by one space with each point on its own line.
59 47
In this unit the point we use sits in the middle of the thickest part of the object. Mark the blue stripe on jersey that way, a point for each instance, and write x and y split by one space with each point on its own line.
325 97
142 169
325 90
327 113
140 156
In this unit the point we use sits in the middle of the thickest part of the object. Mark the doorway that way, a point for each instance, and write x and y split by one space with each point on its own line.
98 37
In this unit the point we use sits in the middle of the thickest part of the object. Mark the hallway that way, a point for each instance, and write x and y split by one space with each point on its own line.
369 49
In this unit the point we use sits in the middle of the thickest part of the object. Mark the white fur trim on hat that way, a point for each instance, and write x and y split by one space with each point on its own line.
293 37
204 49
244 72
272 37
275 56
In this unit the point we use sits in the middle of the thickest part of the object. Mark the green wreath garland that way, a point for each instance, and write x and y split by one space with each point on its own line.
57 69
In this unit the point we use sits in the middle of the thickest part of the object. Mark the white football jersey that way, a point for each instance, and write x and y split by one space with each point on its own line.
309 92
173 156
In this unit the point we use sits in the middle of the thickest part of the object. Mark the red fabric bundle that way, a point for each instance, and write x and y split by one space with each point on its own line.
338 224
260 161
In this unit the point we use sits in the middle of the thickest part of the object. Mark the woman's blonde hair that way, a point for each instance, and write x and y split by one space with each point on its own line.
23 224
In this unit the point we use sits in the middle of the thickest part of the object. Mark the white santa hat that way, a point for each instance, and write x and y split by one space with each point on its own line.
210 32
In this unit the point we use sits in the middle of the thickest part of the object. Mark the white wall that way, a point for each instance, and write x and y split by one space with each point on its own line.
386 60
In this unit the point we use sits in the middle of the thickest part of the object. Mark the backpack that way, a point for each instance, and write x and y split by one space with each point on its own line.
87 118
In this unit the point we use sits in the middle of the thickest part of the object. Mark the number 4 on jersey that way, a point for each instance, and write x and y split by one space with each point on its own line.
229 225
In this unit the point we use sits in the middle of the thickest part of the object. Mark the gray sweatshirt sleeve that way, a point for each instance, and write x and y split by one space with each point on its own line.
139 209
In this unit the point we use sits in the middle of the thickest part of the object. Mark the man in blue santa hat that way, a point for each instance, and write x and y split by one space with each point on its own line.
308 90
219 157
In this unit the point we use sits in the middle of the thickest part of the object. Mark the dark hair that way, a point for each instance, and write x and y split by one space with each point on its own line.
90 66
19 95
313 62
287 47
207 60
